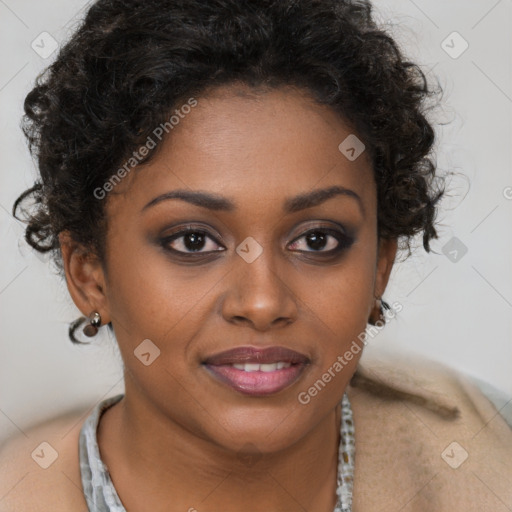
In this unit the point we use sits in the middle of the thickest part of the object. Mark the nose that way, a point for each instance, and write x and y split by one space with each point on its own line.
258 294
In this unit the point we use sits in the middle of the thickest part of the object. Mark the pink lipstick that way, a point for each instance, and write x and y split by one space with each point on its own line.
255 371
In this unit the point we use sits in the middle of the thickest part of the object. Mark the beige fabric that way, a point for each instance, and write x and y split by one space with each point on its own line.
409 414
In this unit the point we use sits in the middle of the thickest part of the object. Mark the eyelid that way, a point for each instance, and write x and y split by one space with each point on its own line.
325 224
183 229
328 226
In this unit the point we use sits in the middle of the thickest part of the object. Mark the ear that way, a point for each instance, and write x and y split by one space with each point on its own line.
385 259
85 277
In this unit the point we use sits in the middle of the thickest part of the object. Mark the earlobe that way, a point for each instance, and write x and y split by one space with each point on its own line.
385 258
84 277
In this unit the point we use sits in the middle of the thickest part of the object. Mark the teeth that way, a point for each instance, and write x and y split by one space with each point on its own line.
269 367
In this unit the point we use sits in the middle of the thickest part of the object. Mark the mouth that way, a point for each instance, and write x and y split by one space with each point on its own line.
257 372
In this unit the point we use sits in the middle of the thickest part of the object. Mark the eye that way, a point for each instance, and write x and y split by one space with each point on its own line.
189 241
193 240
323 240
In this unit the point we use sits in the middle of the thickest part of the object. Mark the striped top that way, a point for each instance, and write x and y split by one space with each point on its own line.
99 491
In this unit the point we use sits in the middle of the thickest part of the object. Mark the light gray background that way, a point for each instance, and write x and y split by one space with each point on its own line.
455 312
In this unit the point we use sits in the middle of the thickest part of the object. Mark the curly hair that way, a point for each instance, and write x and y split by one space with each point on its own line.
132 62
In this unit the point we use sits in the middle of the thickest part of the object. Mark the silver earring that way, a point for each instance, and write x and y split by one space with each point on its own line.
91 329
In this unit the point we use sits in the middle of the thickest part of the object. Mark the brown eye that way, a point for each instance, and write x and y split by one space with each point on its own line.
190 241
323 241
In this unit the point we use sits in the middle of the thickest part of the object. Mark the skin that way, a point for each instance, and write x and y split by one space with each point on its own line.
179 438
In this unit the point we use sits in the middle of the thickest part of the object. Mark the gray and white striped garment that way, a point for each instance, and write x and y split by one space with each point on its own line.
99 491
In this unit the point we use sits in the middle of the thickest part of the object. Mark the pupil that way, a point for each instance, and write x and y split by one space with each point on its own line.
197 241
316 240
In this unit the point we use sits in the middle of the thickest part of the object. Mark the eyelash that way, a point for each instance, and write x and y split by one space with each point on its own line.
344 241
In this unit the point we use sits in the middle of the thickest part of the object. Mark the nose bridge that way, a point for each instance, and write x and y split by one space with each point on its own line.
257 292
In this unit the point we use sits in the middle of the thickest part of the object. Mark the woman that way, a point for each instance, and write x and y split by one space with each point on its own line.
226 185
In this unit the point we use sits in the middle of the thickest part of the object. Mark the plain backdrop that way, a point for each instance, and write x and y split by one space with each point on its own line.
457 301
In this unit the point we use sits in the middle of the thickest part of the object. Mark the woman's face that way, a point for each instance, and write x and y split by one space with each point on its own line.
269 261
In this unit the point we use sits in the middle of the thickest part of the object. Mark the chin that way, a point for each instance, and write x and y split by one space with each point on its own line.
262 429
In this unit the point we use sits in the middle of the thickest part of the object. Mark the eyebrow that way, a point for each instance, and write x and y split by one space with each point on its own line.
291 205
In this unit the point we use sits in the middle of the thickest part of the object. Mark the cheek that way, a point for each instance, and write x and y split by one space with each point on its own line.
339 309
148 296
342 294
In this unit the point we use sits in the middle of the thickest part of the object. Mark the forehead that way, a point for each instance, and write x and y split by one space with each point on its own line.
237 141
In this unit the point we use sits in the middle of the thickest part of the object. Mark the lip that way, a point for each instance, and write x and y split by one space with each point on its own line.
257 383
248 354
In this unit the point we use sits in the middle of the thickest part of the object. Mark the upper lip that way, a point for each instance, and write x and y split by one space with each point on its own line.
247 354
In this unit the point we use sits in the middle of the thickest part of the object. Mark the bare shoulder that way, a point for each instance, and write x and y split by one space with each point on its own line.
39 469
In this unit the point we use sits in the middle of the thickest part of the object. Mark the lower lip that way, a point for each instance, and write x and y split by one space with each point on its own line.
257 383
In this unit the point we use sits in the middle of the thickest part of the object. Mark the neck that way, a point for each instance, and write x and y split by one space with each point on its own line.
156 464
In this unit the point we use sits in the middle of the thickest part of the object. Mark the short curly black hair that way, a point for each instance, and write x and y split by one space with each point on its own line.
132 62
